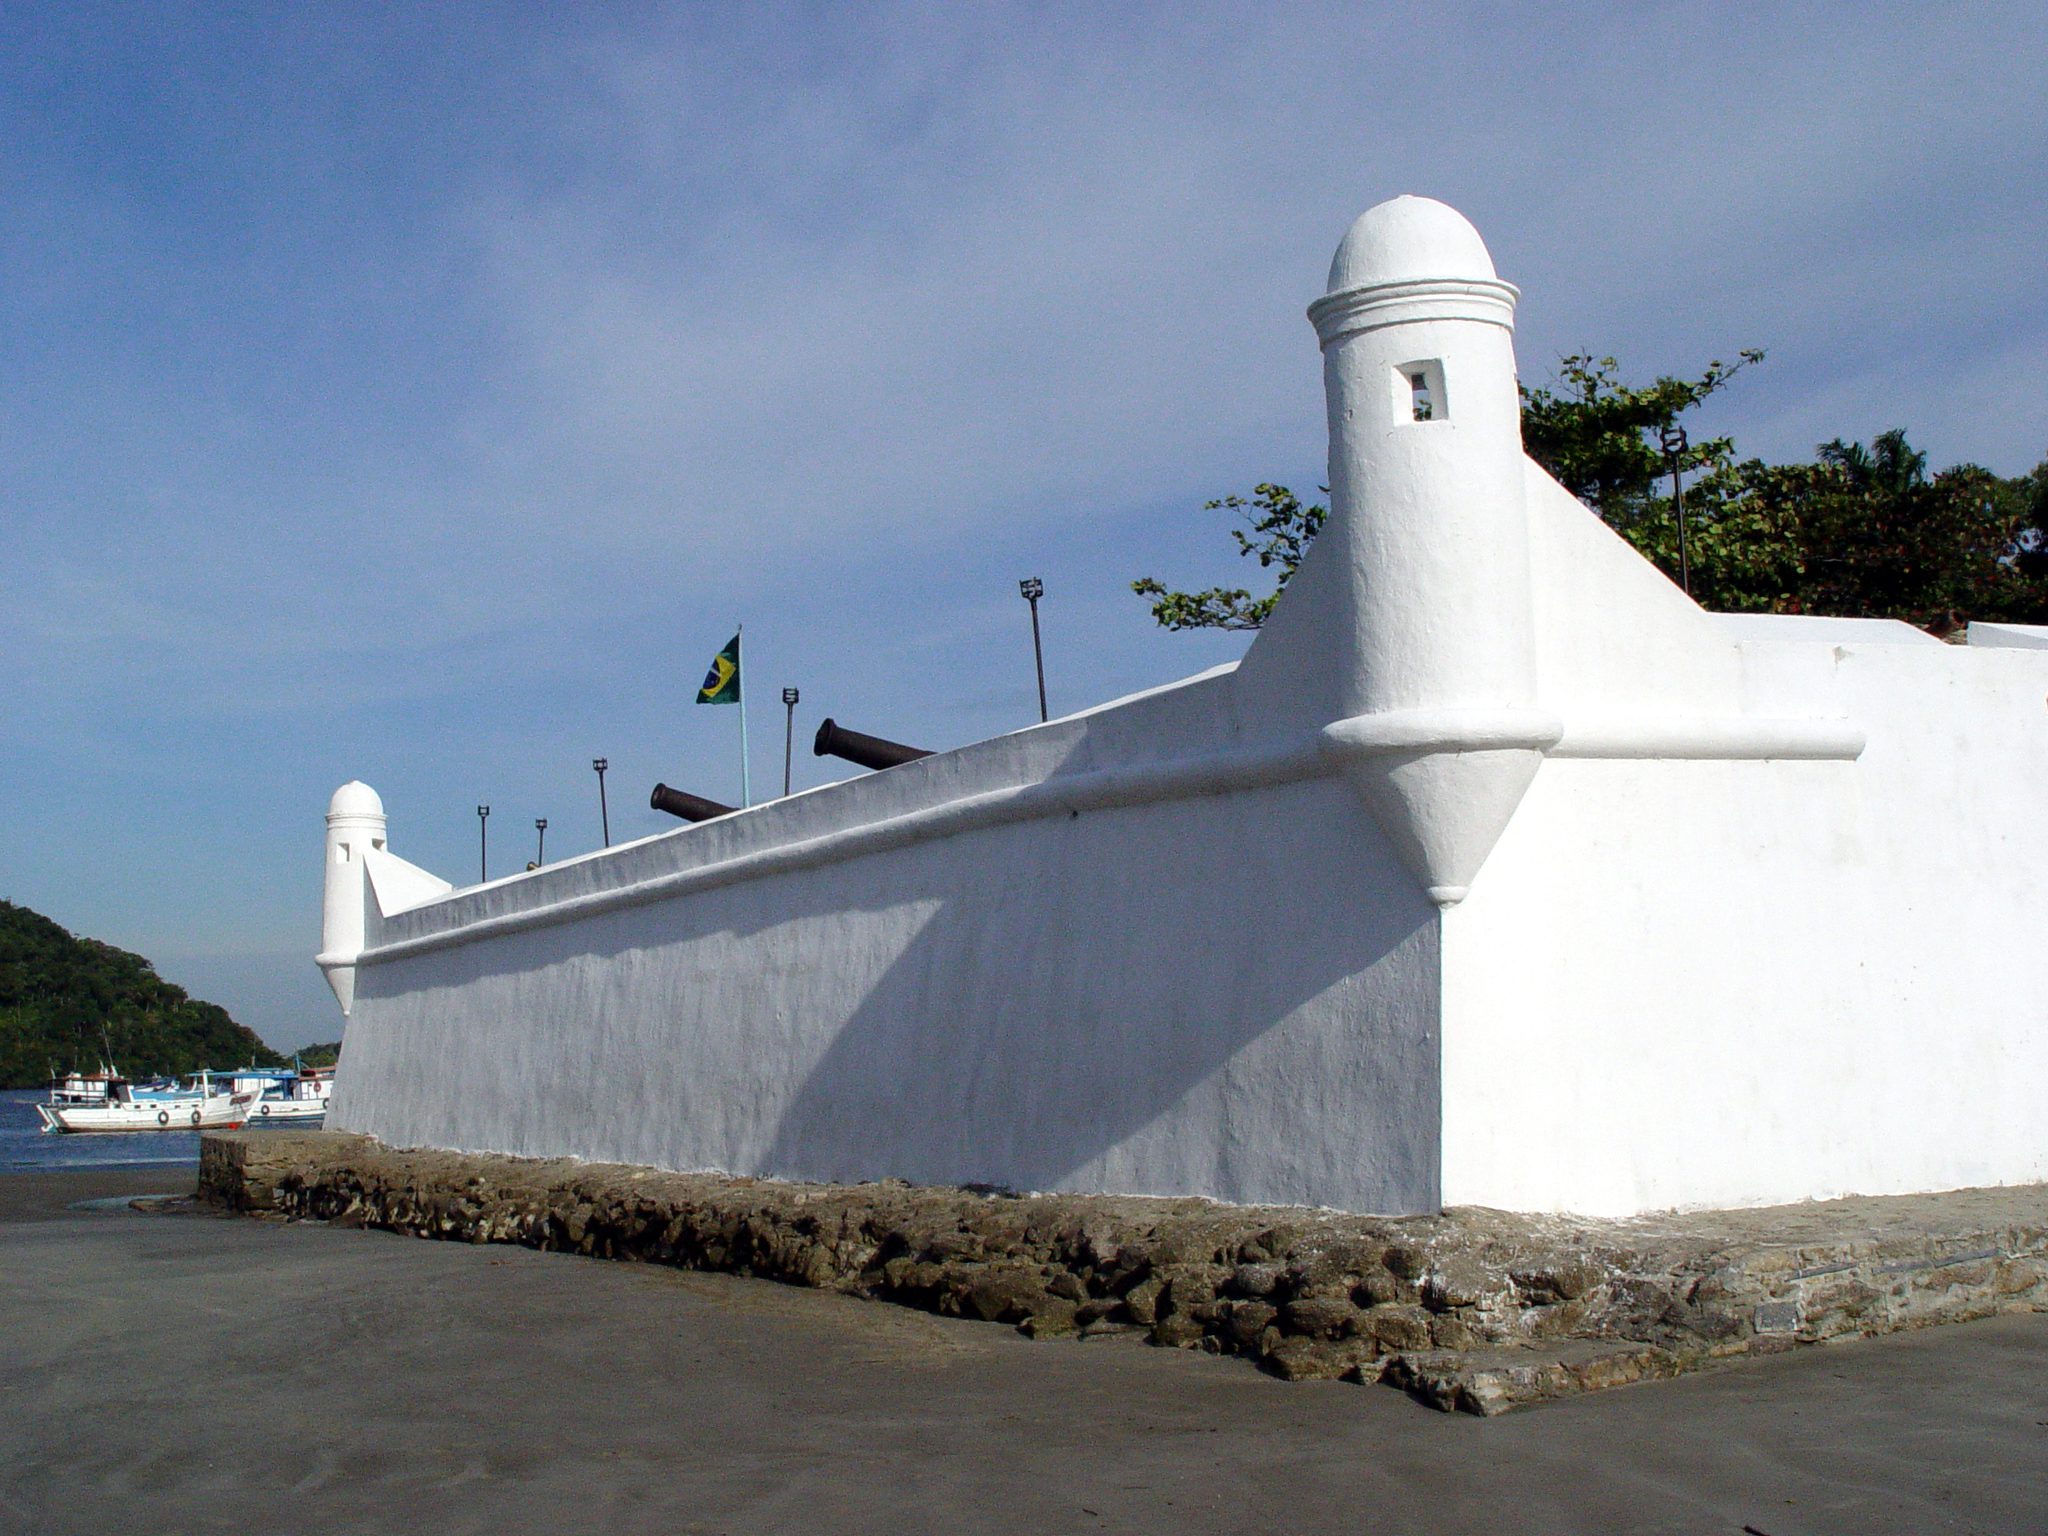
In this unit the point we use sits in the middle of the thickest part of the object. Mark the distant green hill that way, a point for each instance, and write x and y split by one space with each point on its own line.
69 1002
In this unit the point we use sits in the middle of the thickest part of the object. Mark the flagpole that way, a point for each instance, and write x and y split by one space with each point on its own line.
739 655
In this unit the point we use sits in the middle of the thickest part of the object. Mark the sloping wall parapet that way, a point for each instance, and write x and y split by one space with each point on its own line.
2022 637
419 916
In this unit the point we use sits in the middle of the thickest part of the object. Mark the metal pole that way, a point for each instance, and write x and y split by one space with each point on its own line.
746 780
540 854
789 697
1678 504
603 812
1033 589
483 844
1674 446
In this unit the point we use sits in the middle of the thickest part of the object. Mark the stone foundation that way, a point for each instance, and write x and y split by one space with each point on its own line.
1475 1309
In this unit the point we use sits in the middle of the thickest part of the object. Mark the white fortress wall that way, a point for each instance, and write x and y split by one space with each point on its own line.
1498 873
1136 950
1716 974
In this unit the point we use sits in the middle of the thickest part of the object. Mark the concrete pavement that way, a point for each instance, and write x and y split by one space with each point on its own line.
198 1373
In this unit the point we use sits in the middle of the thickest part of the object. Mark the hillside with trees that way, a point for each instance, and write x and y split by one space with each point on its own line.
69 1002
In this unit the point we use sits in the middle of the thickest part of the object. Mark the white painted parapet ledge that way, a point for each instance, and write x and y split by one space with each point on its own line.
1717 739
1710 738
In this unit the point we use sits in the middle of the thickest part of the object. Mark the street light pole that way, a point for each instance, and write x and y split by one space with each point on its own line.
540 854
1674 443
1033 589
483 843
603 812
789 697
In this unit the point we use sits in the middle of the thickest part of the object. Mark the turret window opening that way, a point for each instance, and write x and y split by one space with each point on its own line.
1420 387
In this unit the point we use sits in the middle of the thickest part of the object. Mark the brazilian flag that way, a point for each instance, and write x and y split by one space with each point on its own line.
722 682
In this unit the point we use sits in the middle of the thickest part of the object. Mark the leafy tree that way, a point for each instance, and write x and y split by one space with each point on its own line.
1280 532
1872 534
1602 439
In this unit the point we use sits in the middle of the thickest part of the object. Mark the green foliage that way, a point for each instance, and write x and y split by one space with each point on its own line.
68 1002
1601 439
1280 532
1862 531
1867 532
319 1055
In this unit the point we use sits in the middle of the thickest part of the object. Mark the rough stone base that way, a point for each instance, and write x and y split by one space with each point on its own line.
1475 1309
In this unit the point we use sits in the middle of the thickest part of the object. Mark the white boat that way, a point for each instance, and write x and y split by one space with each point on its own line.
286 1096
121 1106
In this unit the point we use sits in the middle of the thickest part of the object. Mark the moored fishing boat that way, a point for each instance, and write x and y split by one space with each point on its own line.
123 1106
286 1095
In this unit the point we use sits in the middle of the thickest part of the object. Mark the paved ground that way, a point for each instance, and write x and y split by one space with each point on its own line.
1475 1309
196 1373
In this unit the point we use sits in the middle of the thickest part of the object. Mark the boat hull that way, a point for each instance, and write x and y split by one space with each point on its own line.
216 1112
288 1111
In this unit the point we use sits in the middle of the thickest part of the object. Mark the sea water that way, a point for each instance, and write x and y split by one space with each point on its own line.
26 1148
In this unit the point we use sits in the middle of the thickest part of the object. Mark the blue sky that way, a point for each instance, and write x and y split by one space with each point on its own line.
420 394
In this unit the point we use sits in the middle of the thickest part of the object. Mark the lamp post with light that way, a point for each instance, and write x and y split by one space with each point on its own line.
483 844
789 698
540 853
603 812
1674 444
1033 589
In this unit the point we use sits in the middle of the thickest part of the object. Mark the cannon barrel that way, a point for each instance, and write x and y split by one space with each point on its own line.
836 740
680 802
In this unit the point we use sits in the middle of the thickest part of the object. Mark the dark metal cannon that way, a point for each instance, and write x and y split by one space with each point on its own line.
680 802
869 751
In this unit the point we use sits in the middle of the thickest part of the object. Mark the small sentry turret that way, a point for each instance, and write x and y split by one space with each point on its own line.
355 825
1407 633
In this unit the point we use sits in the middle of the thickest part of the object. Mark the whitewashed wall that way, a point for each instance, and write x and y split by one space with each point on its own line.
1229 994
1701 983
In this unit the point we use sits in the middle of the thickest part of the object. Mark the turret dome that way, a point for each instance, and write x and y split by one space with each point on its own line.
355 798
1409 238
